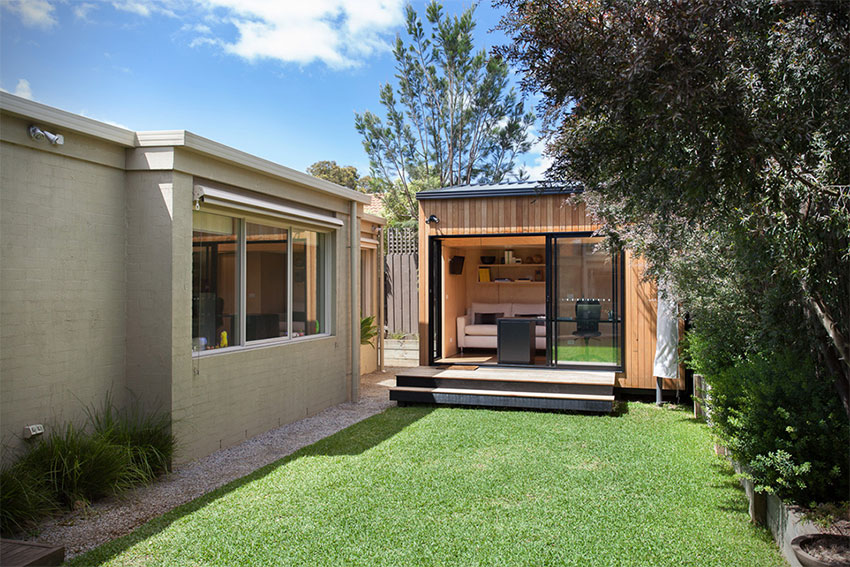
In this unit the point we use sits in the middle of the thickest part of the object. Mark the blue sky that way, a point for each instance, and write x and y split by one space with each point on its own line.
280 79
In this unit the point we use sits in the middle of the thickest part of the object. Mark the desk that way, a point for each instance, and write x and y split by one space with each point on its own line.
515 340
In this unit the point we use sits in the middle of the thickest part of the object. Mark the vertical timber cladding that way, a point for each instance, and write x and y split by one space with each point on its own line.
539 214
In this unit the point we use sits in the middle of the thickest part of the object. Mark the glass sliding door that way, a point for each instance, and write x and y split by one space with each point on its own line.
585 302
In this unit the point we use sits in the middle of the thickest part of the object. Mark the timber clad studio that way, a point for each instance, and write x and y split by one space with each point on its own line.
520 307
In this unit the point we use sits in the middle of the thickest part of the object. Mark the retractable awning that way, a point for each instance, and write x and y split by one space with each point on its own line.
262 205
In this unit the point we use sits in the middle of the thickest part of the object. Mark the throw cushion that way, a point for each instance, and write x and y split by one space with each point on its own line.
487 318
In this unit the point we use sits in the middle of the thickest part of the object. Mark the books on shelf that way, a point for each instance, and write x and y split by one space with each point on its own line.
484 275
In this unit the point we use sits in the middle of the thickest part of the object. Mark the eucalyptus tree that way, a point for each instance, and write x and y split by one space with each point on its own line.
451 118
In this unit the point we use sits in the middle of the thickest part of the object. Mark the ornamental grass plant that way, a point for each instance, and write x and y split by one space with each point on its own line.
71 465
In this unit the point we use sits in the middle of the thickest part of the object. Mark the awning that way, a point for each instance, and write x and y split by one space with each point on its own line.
262 205
368 242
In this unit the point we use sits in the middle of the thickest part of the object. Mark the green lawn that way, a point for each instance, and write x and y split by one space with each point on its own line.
590 353
448 486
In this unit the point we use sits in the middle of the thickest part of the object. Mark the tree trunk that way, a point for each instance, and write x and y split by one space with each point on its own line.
837 352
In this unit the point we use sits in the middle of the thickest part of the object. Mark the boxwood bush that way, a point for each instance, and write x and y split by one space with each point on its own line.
783 423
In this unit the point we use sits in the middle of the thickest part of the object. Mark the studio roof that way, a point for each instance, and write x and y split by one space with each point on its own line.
503 189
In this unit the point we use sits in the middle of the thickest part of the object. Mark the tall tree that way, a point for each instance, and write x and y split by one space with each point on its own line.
710 133
451 119
345 175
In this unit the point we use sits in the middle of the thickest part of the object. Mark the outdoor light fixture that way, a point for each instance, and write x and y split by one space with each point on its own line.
38 135
432 219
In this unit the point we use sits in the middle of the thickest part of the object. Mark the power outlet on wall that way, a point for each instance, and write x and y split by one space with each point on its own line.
33 430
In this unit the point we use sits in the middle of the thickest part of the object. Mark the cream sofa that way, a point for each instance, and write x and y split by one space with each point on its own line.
477 329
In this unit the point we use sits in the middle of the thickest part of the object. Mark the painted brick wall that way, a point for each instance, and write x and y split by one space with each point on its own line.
62 290
222 399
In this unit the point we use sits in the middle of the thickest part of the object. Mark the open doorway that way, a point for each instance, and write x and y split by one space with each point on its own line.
485 280
550 300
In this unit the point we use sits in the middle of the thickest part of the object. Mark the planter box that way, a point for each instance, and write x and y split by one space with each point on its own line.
401 352
783 521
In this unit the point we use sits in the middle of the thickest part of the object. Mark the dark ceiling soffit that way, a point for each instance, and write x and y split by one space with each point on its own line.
465 192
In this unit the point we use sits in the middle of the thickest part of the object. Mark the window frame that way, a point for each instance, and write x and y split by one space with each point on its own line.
325 240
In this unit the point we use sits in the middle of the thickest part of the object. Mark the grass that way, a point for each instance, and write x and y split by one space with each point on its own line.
448 486
591 353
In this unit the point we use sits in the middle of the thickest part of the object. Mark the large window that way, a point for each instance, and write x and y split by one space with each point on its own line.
254 282
266 301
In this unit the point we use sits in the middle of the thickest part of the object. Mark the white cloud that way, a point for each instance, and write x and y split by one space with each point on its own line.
81 11
33 13
197 28
542 162
339 33
147 7
23 90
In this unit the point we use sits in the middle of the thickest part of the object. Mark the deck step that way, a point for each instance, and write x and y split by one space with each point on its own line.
544 376
471 383
506 393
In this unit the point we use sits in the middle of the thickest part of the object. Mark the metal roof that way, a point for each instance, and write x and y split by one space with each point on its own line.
503 189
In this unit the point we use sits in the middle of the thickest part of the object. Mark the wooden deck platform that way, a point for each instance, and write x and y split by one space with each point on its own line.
14 553
578 390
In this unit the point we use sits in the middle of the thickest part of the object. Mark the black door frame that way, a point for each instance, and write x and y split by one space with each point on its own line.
435 316
618 302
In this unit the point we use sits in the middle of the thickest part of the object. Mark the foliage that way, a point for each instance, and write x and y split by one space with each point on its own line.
712 139
80 466
480 487
115 451
146 435
368 330
25 498
345 175
781 423
726 118
452 118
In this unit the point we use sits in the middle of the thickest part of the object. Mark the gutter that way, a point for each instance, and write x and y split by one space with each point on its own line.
354 300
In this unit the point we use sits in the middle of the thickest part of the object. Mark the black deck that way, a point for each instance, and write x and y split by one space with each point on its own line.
507 387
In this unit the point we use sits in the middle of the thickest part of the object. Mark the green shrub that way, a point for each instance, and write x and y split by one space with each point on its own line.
117 450
25 498
80 466
147 436
783 423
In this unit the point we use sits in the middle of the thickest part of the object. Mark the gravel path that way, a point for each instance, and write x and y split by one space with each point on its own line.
85 529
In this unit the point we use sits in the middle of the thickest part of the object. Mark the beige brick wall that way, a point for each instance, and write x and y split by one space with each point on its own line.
95 295
62 292
222 399
149 287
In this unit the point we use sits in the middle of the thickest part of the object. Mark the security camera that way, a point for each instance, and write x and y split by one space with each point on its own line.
55 139
38 135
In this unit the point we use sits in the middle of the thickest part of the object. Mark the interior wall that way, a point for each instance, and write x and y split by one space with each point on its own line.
454 297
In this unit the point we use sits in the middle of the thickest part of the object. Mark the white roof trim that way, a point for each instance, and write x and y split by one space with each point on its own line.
263 206
41 113
215 149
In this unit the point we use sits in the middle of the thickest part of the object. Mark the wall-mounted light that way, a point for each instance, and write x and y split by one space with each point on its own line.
432 219
38 135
